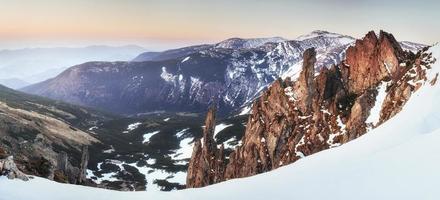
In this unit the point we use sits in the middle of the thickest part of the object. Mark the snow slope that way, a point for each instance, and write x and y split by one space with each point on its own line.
397 160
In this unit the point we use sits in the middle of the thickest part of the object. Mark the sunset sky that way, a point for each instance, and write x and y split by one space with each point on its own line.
159 24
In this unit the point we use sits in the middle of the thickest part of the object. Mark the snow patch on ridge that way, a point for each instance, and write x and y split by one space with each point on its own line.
232 143
245 111
221 127
320 33
168 77
374 116
132 127
186 59
186 146
147 136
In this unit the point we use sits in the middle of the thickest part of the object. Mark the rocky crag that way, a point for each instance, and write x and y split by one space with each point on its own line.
296 118
207 163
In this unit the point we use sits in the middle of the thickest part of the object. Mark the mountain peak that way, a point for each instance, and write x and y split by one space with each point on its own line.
320 33
237 43
372 59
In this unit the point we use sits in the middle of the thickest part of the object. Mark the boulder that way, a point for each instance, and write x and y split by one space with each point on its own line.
9 169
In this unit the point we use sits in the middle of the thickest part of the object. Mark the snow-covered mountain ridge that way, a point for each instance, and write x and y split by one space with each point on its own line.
240 43
192 77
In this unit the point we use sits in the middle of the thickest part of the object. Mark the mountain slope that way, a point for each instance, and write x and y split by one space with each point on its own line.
191 78
38 64
232 43
240 43
170 54
397 160
14 83
40 133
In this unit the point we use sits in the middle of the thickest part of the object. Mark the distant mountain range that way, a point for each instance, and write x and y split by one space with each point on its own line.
38 64
232 43
230 74
14 83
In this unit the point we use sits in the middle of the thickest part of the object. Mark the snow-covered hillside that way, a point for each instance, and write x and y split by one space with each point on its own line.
239 43
397 160
232 73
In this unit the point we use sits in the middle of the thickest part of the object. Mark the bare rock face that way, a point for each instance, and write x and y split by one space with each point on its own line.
3 153
207 162
305 87
83 165
406 83
290 120
9 169
263 132
359 113
293 119
371 60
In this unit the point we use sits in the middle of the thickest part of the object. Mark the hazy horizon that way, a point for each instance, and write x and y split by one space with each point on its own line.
158 25
147 45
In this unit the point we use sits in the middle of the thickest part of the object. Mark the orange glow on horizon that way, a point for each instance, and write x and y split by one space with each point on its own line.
196 20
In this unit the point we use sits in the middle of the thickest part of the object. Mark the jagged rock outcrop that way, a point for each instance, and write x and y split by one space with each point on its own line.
296 118
82 178
406 82
304 88
207 162
371 60
9 169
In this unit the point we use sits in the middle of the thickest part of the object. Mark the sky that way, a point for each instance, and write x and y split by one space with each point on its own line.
160 24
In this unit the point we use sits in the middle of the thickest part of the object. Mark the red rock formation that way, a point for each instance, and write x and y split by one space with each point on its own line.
412 76
293 119
304 88
371 60
207 161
